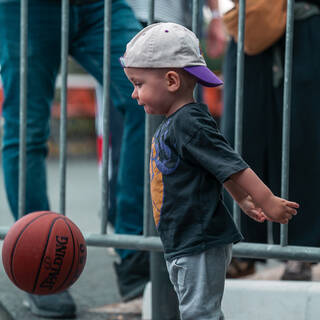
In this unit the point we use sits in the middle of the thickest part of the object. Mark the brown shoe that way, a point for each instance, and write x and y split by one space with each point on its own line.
297 271
240 268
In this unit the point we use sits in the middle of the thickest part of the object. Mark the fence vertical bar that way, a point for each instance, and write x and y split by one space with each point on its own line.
195 29
239 94
148 226
164 300
195 16
151 12
106 120
23 106
287 113
63 108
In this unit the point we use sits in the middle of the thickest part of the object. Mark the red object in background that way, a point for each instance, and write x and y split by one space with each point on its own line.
1 99
213 98
81 103
99 149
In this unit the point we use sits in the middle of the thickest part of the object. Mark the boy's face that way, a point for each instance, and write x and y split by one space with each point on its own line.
150 89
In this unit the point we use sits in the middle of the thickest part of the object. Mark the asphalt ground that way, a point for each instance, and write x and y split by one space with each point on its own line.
96 290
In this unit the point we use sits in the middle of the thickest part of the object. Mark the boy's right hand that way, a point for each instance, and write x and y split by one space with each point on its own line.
279 210
249 208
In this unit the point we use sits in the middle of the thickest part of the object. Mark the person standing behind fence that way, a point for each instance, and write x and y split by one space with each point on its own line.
262 128
190 162
86 46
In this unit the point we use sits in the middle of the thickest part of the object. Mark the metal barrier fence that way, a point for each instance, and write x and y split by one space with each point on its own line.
149 241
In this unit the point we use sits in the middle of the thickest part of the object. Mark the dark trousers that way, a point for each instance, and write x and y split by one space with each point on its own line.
262 129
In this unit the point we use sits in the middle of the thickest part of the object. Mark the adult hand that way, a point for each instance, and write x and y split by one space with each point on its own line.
216 38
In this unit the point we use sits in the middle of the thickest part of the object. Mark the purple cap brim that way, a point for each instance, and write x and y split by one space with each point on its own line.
204 75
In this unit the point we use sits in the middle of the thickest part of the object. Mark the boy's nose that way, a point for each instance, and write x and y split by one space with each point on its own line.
134 94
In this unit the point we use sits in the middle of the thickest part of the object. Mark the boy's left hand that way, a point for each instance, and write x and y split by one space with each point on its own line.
249 208
280 210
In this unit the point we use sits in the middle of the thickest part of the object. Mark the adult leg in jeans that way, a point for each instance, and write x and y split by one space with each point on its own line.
87 49
43 64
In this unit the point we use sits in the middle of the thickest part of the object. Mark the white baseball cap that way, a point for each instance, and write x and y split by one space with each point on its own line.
169 45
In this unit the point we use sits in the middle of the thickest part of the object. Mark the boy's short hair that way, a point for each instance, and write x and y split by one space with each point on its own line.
169 45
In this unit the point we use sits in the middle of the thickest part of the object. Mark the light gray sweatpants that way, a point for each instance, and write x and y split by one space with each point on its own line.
199 282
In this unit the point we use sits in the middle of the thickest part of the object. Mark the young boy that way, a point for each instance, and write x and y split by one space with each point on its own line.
190 163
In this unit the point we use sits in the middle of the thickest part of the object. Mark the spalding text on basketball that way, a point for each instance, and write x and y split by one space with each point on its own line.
61 247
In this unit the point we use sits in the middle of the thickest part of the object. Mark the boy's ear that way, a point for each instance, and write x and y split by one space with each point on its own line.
173 80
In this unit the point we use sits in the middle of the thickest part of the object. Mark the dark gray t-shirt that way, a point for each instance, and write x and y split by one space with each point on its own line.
189 162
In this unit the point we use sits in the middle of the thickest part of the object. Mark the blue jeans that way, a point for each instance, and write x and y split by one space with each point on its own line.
86 47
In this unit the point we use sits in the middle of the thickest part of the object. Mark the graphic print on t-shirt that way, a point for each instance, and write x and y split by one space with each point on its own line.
163 161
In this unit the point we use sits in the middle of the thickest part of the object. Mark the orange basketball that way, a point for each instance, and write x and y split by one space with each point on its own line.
44 253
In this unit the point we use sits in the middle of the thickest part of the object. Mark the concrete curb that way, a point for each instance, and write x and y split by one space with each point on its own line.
263 300
269 300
